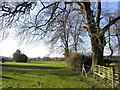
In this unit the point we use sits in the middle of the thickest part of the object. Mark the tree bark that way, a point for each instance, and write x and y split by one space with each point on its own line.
67 52
97 54
98 43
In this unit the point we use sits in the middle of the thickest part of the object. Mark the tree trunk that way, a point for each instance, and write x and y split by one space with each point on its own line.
97 54
66 49
75 47
98 43
66 52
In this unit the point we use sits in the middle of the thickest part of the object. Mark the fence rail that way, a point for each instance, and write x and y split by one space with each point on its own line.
110 73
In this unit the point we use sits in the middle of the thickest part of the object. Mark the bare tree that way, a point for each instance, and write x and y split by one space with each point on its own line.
68 31
113 34
96 33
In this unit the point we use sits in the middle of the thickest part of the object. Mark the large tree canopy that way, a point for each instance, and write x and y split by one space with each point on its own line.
39 18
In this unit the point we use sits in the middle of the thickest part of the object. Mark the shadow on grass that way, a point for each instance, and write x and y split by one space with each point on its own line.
57 71
31 67
71 74
24 69
6 77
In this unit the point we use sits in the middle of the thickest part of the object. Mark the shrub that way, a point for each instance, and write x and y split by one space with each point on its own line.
76 60
18 57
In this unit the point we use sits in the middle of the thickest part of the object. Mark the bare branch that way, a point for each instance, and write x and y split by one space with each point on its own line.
80 5
110 47
23 7
54 9
111 23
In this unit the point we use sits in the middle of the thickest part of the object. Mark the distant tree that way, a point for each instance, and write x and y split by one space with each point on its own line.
46 58
3 60
24 58
18 57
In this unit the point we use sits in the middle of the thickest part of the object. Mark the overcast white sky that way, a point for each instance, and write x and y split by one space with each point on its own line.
11 44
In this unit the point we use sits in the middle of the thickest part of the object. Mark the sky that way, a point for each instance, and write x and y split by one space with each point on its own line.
9 45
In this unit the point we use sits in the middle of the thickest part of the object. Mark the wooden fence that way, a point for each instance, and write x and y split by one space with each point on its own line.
110 73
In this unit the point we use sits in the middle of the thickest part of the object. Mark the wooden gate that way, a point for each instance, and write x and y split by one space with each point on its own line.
110 73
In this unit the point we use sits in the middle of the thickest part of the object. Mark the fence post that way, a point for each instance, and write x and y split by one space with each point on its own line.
84 71
94 71
119 75
113 76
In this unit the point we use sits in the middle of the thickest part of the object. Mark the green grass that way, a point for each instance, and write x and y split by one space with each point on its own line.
44 75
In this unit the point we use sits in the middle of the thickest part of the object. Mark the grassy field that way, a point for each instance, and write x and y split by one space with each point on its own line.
43 75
